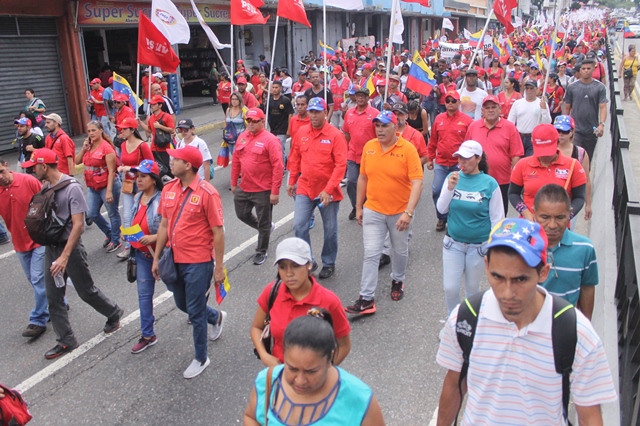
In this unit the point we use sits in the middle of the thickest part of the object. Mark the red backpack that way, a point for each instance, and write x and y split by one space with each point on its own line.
13 409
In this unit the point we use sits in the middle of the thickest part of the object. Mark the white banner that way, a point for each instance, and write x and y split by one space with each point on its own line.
447 50
170 22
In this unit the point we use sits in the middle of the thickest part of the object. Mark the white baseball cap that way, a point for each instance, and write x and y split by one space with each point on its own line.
469 149
294 249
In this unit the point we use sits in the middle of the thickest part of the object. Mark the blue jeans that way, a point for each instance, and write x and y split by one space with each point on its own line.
353 173
146 288
194 280
283 146
303 210
440 173
3 231
127 205
33 266
95 200
459 258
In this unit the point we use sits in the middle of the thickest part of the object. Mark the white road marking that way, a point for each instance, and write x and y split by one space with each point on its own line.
85 347
434 418
7 254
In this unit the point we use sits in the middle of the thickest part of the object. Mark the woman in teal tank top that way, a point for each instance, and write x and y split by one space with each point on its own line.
308 389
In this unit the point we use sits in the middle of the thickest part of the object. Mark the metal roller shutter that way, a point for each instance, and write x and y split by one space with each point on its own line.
30 59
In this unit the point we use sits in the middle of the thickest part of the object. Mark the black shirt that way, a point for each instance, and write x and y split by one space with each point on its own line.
310 94
33 140
279 111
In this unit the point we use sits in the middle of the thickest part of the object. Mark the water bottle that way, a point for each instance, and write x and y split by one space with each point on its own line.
59 279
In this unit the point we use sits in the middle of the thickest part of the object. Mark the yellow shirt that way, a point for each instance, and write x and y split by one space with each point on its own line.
629 62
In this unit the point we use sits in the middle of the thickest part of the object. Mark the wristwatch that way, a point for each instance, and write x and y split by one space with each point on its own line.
409 214
600 123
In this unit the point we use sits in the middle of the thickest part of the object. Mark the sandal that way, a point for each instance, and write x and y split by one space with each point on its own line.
397 290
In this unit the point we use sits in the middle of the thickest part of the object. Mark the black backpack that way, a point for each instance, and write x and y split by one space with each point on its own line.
564 337
42 223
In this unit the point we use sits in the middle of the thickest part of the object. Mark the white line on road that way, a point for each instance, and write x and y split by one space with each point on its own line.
85 347
7 254
434 418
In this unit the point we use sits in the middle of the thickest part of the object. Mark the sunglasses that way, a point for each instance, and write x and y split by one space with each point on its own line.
183 130
451 101
564 132
250 121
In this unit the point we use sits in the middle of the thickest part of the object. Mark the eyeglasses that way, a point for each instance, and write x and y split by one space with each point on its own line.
451 101
250 121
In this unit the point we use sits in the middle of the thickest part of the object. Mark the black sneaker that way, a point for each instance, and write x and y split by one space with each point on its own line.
88 221
385 259
113 323
33 331
5 240
352 215
59 350
314 266
111 247
326 271
259 258
106 242
361 306
397 290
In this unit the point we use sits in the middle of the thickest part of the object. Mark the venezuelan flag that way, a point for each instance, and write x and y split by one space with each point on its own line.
132 235
223 289
509 47
325 48
496 48
539 60
121 85
370 86
421 79
627 31
474 39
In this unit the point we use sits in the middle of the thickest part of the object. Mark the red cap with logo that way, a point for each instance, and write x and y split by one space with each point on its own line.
127 123
96 81
337 69
544 139
120 97
367 66
188 154
255 114
491 98
157 99
241 80
453 94
41 156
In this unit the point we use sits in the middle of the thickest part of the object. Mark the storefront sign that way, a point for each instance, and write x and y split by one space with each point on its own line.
96 12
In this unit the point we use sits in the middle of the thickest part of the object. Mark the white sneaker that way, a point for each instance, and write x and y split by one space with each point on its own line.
216 330
196 367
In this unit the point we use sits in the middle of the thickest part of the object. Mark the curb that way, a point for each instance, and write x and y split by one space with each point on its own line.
209 127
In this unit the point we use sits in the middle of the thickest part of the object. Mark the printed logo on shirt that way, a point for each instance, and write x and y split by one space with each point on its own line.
463 327
260 144
243 141
170 196
195 200
473 197
304 139
393 154
371 152
325 141
562 174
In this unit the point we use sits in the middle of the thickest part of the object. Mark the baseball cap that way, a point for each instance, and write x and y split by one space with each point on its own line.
352 90
472 71
491 98
40 156
445 74
55 117
394 77
187 123
564 123
481 72
147 69
96 81
157 75
382 82
367 66
517 63
24 121
531 83
317 104
241 80
127 123
527 238
469 149
239 61
294 249
302 72
189 154
362 90
400 107
404 55
453 94
120 97
534 65
337 69
147 167
386 117
156 99
544 139
255 114
110 80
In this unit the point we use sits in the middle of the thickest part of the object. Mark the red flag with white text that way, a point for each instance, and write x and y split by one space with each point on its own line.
245 12
293 10
502 9
153 47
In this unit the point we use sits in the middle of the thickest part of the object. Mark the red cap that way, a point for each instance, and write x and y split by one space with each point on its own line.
110 80
241 80
157 99
96 81
491 98
41 156
120 97
127 123
239 61
545 140
481 72
337 69
255 114
367 66
382 82
189 154
453 94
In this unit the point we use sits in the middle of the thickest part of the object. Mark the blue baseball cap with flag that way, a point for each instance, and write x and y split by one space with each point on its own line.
564 123
317 104
386 117
527 238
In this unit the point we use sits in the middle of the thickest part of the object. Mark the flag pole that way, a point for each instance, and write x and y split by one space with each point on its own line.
150 84
137 85
232 62
324 36
554 35
394 4
481 41
273 57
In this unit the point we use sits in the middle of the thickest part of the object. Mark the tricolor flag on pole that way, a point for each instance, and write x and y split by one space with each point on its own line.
120 85
222 289
421 79
170 22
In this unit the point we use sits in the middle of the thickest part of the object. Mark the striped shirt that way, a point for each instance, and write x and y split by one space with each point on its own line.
512 379
573 265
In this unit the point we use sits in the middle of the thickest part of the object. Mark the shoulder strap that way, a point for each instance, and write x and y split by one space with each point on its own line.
465 332
267 396
568 182
61 185
182 208
564 336
273 294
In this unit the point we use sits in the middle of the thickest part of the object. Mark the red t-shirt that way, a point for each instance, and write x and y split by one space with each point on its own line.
224 92
285 309
361 130
529 174
64 148
255 80
141 219
505 104
495 76
296 122
167 121
99 108
14 205
132 159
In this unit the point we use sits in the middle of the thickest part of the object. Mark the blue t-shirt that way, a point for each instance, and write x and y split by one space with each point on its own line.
107 96
573 265
469 220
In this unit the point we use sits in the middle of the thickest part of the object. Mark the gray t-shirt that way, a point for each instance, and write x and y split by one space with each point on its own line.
585 100
69 197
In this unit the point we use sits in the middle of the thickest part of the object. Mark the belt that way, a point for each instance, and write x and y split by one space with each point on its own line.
525 134
463 242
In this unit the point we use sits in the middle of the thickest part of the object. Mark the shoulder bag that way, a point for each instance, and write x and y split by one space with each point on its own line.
266 331
166 266
162 139
628 72
132 266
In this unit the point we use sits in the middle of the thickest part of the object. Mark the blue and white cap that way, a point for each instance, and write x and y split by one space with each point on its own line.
317 104
527 238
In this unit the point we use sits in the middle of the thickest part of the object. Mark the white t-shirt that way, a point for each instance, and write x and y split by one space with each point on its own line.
525 115
204 150
471 102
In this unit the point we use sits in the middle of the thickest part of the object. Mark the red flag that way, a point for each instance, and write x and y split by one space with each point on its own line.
154 48
293 10
425 3
502 9
245 12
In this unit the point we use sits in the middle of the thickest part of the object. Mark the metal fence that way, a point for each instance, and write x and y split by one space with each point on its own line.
626 207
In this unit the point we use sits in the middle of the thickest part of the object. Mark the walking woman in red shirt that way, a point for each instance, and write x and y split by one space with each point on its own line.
103 183
510 94
224 91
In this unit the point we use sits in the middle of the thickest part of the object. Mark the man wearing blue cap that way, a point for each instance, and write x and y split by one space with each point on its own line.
511 371
317 164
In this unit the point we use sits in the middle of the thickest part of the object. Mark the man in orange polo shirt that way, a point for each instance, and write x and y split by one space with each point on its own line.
192 225
391 181
546 165
317 164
